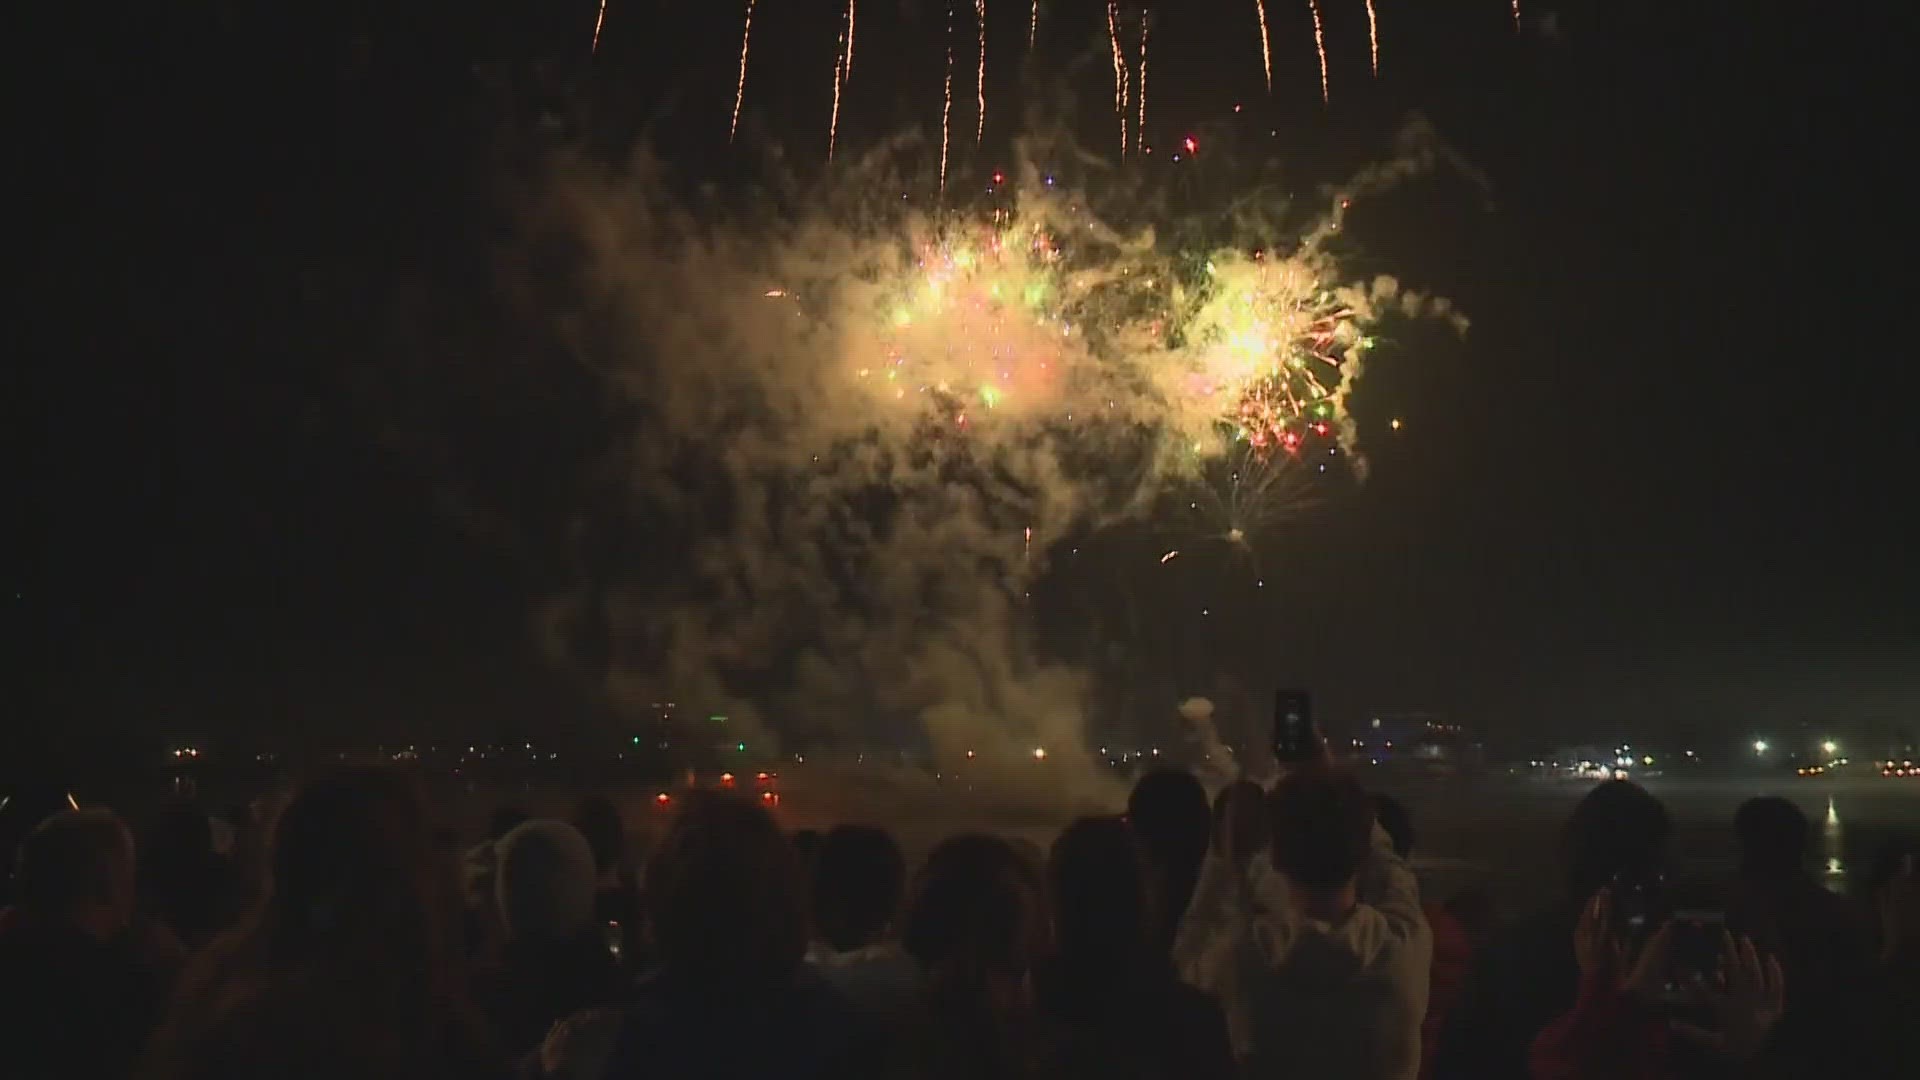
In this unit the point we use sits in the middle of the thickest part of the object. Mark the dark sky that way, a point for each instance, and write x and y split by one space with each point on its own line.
1664 483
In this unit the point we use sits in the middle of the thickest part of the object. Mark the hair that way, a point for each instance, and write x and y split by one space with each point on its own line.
1617 828
724 893
1173 823
73 859
349 961
1773 836
858 879
545 887
1099 897
600 822
973 918
1322 825
1394 819
505 819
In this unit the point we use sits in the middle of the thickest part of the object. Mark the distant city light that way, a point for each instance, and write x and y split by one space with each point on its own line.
1039 753
1829 746
1759 746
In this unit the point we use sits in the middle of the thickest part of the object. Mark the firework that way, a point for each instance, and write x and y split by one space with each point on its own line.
1266 52
1320 47
1373 37
974 322
1033 25
1119 71
842 70
946 103
1516 16
848 61
740 86
980 75
599 21
1169 556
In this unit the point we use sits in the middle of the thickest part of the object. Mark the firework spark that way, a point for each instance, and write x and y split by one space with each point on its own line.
1373 37
839 79
1169 556
1320 47
1266 52
1140 128
980 75
740 87
599 21
946 104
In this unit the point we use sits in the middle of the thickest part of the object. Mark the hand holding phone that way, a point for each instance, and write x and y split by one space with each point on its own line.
1295 739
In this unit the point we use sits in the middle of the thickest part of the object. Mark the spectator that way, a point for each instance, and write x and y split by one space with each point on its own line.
1527 975
1876 1041
973 925
482 862
82 995
1324 939
1615 1031
1451 951
732 997
616 905
184 883
556 960
1242 822
857 884
1169 814
348 968
1110 990
1821 942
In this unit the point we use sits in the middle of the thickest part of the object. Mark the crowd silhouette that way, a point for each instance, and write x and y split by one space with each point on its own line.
1274 933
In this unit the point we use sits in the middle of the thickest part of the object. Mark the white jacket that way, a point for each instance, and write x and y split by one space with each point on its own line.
1306 998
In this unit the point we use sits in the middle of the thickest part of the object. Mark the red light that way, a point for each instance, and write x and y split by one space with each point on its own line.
726 779
760 776
999 177
663 798
1192 144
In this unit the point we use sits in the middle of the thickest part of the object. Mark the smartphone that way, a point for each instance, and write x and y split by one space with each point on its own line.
1694 947
1639 903
1294 737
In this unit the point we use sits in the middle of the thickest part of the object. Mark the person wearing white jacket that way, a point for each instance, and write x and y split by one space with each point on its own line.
1315 947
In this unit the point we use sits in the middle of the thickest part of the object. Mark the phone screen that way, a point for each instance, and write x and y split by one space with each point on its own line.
1695 946
1294 737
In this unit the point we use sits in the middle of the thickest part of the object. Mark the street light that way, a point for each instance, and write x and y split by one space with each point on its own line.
1829 746
1759 746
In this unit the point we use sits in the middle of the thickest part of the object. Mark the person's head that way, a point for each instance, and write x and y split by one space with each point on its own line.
1616 829
1322 824
1098 893
1893 889
1773 837
180 834
1169 815
545 886
504 819
353 873
973 920
858 878
1392 815
724 893
600 822
77 868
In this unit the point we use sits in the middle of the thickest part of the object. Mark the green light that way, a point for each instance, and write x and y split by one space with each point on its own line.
990 395
742 747
636 740
718 718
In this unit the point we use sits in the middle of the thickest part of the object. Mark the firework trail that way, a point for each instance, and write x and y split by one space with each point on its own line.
849 56
1033 25
1120 95
1516 16
980 75
740 87
1140 128
599 21
839 79
1266 53
1373 37
946 103
1320 47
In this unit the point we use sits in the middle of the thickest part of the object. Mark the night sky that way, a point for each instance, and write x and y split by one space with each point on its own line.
1662 485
